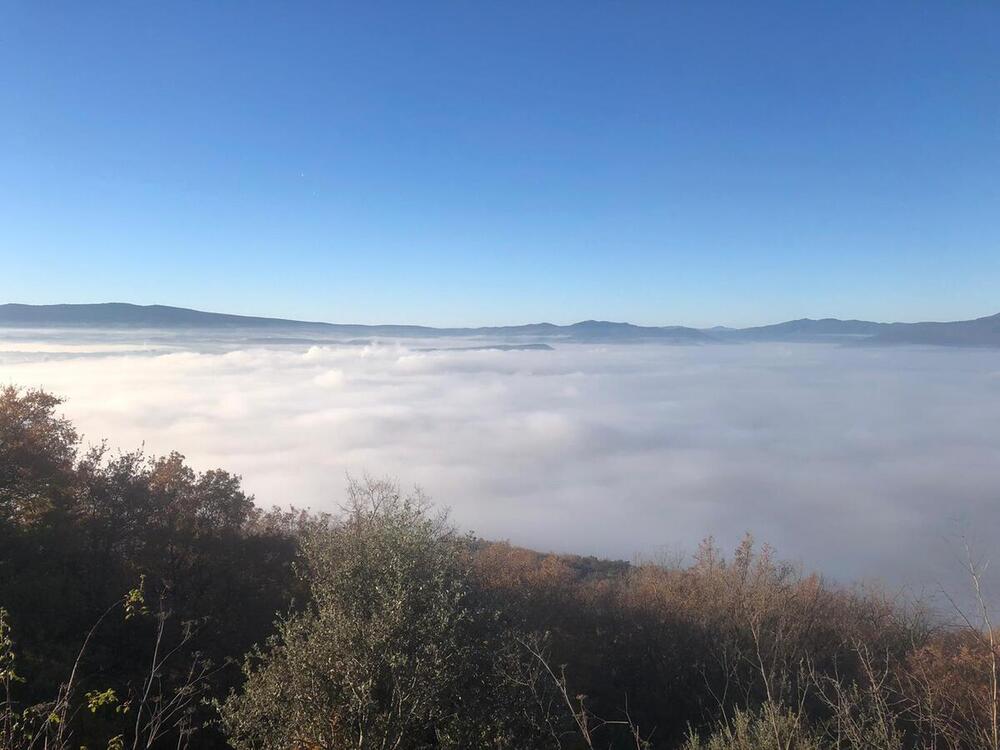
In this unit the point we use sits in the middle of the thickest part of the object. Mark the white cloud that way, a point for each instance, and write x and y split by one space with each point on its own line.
856 461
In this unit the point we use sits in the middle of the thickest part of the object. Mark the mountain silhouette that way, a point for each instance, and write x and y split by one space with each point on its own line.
117 315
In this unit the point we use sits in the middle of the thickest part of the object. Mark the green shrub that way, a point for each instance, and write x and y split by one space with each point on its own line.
772 728
396 648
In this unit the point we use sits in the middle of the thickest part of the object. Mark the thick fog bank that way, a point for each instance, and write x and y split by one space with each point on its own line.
859 462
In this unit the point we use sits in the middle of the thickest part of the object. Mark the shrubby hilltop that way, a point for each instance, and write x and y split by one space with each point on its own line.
148 605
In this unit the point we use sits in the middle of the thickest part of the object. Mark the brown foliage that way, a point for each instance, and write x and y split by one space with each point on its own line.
682 645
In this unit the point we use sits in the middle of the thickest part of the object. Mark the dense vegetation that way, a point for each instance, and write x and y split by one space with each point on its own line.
146 605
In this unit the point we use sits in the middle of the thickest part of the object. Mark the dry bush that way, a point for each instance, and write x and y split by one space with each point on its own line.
701 643
948 686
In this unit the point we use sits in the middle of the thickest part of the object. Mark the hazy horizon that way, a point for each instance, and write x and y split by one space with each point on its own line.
499 323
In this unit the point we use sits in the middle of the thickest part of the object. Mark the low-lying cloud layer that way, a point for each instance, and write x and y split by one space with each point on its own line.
859 462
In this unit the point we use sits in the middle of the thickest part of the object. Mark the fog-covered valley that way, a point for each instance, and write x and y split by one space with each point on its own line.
622 450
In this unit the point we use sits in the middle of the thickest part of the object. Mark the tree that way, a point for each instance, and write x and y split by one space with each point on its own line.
37 452
395 649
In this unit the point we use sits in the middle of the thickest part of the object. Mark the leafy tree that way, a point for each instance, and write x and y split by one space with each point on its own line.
37 451
396 648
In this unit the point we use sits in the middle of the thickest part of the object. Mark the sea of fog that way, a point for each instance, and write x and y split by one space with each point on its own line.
859 462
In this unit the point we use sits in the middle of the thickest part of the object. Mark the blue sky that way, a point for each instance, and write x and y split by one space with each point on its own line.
486 162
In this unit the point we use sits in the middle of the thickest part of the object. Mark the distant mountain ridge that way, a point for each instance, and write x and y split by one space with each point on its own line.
983 332
123 315
810 328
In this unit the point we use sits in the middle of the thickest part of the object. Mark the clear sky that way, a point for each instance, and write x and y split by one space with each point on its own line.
503 162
